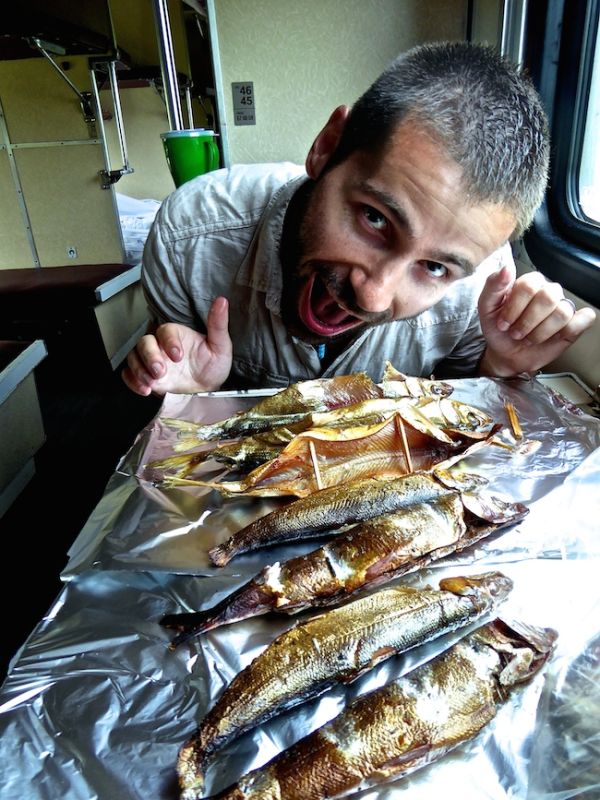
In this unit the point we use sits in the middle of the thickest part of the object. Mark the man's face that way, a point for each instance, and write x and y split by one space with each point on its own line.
385 236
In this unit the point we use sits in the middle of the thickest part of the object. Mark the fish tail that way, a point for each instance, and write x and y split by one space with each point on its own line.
191 763
250 600
222 554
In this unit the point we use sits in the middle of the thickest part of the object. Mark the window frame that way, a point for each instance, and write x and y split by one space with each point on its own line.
563 244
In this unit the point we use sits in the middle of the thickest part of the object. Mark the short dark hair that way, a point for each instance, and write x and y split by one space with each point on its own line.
484 112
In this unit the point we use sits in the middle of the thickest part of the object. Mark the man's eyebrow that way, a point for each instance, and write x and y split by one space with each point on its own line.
396 210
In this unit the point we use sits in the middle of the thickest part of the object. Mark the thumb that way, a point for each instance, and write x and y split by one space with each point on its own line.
217 325
496 289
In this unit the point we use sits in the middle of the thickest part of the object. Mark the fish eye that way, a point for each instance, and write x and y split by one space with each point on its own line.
375 219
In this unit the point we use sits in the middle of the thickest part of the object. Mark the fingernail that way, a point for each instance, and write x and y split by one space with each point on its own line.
156 369
174 352
503 325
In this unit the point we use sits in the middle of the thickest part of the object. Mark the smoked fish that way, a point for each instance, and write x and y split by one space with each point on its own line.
283 408
334 507
408 723
339 645
370 436
322 457
367 555
397 384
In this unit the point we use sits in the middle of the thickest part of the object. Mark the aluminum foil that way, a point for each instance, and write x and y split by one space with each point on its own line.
96 706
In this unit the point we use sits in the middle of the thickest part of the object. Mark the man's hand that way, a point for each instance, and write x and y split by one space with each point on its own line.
526 323
181 360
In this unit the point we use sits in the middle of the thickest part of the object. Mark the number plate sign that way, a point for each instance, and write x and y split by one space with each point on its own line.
243 103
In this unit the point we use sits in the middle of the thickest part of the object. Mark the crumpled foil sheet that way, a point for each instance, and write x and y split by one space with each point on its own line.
96 706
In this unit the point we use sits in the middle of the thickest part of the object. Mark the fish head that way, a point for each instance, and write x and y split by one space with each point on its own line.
493 585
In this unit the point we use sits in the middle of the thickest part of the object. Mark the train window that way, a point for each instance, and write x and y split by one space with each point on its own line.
563 57
589 173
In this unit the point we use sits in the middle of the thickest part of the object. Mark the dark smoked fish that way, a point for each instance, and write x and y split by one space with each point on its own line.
332 508
339 645
367 555
407 724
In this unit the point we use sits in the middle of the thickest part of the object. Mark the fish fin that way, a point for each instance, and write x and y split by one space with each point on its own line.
249 600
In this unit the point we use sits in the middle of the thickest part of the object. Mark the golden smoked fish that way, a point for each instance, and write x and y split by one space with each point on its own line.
397 384
283 408
322 457
334 507
367 555
244 454
407 724
380 435
339 645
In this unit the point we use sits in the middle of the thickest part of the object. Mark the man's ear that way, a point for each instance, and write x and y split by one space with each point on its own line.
326 142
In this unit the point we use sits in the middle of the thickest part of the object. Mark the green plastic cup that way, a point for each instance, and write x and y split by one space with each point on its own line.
190 153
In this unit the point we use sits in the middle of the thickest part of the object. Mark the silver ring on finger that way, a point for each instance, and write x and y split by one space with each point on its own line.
570 302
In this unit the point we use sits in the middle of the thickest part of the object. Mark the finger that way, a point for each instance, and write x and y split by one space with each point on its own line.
495 291
132 382
580 322
556 321
168 338
531 300
148 356
137 371
217 327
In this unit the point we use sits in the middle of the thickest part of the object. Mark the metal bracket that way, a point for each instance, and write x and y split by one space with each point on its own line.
110 176
85 98
89 115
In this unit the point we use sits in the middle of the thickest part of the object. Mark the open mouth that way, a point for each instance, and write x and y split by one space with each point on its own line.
320 312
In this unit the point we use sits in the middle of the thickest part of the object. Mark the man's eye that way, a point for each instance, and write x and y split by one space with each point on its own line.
436 270
374 218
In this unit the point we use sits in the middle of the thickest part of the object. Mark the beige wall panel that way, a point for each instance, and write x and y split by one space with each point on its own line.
14 246
67 207
39 106
144 119
487 21
307 58
135 30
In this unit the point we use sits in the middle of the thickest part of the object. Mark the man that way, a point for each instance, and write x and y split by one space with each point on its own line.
392 245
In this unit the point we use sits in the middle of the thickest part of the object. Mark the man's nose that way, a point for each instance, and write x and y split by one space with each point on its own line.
376 285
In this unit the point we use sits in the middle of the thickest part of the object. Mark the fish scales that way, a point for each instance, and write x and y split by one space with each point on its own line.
328 509
369 549
407 724
339 645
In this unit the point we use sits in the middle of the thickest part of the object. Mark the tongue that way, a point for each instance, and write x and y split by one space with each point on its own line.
328 311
